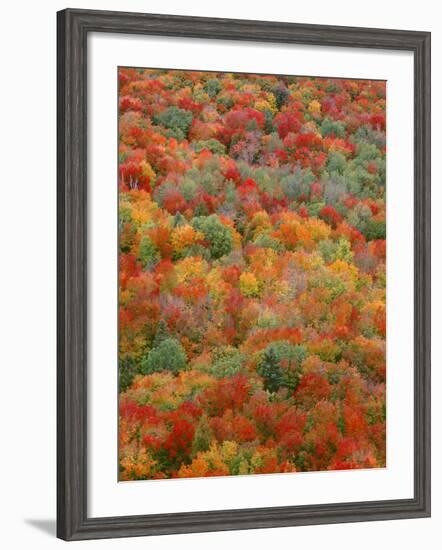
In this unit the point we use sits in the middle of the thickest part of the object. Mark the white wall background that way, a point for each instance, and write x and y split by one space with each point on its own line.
27 272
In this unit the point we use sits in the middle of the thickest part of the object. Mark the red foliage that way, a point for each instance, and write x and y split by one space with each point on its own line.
179 440
330 215
255 343
288 122
227 393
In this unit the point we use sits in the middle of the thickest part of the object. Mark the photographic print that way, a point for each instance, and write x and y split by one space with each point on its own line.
252 279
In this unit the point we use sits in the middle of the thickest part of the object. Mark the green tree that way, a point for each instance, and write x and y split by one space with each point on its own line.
280 365
168 355
127 369
213 87
281 94
179 220
161 334
331 127
212 145
375 229
148 252
203 436
270 369
227 361
344 251
175 119
216 233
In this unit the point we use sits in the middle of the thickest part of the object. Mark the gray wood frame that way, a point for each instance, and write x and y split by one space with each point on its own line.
73 27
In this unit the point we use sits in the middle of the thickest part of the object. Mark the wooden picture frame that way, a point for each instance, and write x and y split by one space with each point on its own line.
74 26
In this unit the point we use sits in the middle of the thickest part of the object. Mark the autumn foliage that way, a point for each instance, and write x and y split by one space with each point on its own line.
252 297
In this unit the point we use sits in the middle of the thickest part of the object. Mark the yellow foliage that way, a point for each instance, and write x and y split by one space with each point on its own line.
262 105
198 468
139 216
218 288
308 262
267 104
217 459
345 270
184 236
294 232
143 209
190 268
248 284
314 107
318 229
147 171
229 450
260 223
262 259
237 239
282 288
138 466
272 101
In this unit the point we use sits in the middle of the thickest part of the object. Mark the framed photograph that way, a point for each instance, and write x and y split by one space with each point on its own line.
243 274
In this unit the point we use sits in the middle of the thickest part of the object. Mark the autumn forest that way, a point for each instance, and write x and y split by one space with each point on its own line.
252 281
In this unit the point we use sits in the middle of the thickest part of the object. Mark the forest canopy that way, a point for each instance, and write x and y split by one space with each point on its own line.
252 283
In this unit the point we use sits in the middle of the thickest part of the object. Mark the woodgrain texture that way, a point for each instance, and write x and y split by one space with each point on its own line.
72 520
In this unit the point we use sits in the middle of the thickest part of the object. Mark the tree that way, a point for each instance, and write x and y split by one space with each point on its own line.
177 120
213 87
148 253
127 369
270 369
216 233
248 284
161 334
280 365
203 436
227 361
168 355
252 313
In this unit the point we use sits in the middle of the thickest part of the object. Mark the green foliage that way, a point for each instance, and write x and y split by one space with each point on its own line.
124 215
148 254
375 229
280 365
331 127
212 145
196 250
227 361
367 151
314 208
161 334
298 183
225 101
203 436
336 163
216 233
331 282
127 369
179 219
189 188
327 249
168 355
365 134
264 240
344 251
281 94
360 217
213 87
334 190
268 124
211 380
176 120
